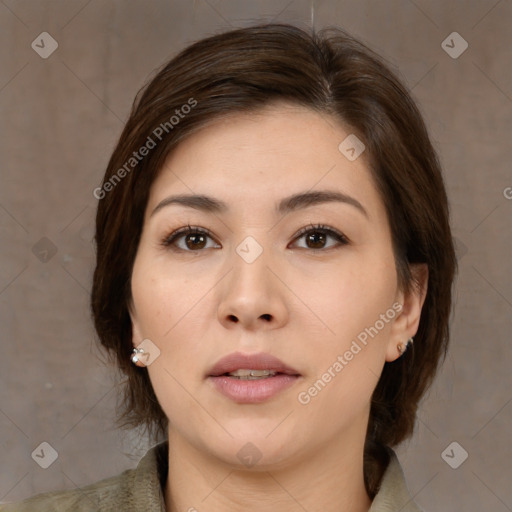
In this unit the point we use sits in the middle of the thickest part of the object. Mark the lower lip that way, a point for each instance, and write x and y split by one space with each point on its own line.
253 391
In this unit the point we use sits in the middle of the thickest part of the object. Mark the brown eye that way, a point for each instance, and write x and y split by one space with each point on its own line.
195 239
316 237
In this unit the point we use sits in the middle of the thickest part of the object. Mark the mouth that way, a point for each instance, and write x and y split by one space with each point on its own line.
251 378
243 374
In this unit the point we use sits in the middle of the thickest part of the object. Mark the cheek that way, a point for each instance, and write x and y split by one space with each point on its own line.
162 299
164 305
171 310
346 363
348 296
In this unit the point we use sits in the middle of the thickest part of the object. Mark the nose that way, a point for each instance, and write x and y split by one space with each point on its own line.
253 296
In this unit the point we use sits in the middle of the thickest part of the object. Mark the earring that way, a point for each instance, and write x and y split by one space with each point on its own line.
135 356
402 348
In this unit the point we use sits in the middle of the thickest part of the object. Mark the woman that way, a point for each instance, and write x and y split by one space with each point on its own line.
274 273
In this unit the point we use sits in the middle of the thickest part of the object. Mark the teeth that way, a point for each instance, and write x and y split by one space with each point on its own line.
252 374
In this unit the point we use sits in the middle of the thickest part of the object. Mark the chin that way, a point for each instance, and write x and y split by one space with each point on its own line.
266 442
254 455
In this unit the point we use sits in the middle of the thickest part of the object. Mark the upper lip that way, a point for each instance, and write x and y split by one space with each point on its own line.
239 360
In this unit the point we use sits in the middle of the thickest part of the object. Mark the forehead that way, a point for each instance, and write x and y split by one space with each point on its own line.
257 158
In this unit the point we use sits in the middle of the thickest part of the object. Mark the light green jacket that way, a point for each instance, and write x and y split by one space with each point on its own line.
141 490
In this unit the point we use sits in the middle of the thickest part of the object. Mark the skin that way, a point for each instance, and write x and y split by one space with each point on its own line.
301 304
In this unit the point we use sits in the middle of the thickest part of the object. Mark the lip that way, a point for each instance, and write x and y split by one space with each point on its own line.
251 391
239 360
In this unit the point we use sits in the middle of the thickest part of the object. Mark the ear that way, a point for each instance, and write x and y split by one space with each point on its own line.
136 331
407 322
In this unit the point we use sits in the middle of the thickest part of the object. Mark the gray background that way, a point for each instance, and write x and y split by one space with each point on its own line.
60 119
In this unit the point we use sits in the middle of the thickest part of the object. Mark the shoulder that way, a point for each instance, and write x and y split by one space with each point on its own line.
393 493
127 491
88 498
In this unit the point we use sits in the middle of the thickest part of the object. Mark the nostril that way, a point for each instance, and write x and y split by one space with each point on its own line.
266 316
233 317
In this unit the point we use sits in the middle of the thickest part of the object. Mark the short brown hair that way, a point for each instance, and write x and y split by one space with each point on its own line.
332 73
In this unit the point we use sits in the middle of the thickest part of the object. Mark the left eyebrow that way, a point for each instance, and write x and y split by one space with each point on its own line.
306 199
286 205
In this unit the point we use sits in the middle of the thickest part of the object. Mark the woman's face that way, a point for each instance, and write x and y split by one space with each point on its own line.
324 302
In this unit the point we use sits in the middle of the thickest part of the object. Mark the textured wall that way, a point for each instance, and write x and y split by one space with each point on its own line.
60 118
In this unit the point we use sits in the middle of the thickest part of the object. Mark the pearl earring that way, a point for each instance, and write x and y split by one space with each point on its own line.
135 354
402 348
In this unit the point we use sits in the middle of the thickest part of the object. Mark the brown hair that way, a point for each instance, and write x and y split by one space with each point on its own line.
330 72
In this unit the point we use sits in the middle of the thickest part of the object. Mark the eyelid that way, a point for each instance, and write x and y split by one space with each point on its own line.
169 240
338 235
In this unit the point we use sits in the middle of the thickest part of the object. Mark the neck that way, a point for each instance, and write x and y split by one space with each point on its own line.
331 479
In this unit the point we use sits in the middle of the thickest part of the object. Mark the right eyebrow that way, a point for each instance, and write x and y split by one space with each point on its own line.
198 202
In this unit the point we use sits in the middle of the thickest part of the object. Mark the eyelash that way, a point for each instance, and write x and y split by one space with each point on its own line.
312 228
